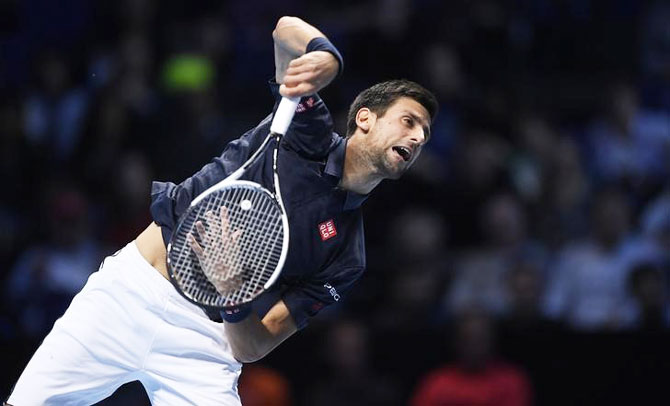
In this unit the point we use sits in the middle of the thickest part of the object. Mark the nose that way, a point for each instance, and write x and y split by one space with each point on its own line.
418 136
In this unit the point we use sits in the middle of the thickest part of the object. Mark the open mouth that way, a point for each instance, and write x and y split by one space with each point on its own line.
404 152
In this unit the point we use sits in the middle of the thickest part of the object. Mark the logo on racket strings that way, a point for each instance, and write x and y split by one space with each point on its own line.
327 230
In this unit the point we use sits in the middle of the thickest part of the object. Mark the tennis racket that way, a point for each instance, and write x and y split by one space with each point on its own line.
229 246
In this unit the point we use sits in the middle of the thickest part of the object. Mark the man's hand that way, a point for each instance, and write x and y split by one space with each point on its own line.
299 73
309 73
218 252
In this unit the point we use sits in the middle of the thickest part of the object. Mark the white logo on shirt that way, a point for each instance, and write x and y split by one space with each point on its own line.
332 291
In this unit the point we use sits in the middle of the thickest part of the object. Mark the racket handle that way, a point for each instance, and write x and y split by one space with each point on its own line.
284 115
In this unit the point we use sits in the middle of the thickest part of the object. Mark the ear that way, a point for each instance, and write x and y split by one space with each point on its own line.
365 119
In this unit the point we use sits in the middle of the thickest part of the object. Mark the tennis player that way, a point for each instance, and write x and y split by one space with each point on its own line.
129 323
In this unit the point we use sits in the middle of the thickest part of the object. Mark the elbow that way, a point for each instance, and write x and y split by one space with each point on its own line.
250 355
282 24
286 21
248 359
250 350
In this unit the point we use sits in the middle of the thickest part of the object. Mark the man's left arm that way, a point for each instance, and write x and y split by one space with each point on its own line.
253 338
305 61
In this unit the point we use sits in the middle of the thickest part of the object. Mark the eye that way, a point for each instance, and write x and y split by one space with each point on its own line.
408 121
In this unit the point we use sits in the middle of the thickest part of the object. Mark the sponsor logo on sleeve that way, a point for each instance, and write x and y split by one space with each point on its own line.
332 291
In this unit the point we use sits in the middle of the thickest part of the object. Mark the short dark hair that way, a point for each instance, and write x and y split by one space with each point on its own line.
381 96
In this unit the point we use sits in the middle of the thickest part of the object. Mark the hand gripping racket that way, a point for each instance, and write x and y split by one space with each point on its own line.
230 244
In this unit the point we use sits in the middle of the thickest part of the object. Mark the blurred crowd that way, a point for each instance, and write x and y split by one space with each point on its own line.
539 212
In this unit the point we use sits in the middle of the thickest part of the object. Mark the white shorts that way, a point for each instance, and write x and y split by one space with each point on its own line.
129 323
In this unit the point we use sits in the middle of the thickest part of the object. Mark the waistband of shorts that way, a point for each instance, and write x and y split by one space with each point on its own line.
154 278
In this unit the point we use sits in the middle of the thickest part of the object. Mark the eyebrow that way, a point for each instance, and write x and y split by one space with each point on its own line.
426 128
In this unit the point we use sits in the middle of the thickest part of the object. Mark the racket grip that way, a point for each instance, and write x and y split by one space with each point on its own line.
284 115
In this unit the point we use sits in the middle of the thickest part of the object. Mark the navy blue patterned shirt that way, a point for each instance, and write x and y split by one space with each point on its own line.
326 247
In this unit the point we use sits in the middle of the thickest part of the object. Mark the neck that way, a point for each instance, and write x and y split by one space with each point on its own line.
359 174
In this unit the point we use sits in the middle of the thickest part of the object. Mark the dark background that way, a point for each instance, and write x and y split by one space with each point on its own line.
541 206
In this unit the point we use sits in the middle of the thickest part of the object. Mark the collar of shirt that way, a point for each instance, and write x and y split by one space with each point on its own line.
335 168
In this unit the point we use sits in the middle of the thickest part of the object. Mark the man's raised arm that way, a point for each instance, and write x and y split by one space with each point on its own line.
305 61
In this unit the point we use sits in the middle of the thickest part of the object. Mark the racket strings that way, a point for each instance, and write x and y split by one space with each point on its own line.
260 228
270 229
269 257
248 260
251 251
255 232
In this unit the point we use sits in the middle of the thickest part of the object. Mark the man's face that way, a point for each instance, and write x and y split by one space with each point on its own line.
396 139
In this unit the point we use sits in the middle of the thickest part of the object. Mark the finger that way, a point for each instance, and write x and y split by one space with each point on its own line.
201 230
283 90
303 89
303 59
313 59
295 79
235 252
305 67
225 222
195 246
236 235
209 216
212 223
299 90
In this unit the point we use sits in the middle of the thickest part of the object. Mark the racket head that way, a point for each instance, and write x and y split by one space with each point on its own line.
243 246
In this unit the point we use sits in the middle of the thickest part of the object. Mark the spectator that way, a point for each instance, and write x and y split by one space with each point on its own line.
648 286
478 172
655 53
562 215
655 223
587 286
533 159
479 275
18 176
108 135
476 376
628 144
525 288
128 202
349 378
56 109
136 68
47 275
415 267
262 386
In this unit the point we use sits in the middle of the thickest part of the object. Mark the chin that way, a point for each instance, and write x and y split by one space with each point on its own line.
393 170
395 173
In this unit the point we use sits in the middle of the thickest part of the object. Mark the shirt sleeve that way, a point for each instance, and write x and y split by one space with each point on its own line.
169 201
311 131
305 300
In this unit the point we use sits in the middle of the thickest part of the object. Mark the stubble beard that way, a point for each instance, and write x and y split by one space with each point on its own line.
380 163
387 168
